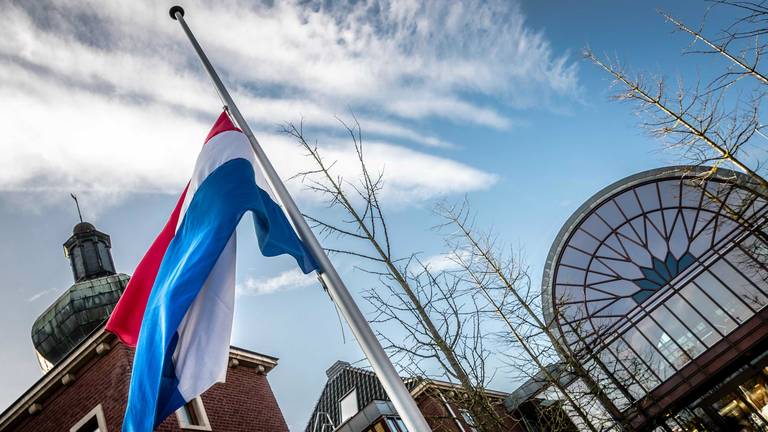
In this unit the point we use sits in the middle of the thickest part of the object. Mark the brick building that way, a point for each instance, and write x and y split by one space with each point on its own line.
353 400
87 371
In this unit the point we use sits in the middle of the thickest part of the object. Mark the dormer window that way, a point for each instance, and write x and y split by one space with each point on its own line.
348 405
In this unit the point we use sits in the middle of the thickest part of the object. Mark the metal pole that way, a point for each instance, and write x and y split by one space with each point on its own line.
382 366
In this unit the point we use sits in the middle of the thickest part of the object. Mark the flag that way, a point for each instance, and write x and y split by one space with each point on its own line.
177 308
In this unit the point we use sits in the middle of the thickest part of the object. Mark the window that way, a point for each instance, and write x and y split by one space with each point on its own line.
468 419
192 416
92 422
348 405
396 425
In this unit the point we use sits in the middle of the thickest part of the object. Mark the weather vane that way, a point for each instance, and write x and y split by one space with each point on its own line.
77 204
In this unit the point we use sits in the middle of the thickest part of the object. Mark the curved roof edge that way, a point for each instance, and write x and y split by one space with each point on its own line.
606 193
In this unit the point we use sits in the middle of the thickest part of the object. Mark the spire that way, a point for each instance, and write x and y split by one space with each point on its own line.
77 204
89 252
87 303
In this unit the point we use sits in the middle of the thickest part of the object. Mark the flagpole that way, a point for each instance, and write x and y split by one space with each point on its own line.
377 357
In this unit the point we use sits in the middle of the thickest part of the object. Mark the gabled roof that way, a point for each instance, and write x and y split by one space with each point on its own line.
343 378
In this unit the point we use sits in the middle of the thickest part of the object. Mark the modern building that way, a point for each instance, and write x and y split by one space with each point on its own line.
657 286
87 371
353 400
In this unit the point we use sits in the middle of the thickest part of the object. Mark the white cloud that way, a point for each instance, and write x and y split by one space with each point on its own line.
447 261
291 279
107 97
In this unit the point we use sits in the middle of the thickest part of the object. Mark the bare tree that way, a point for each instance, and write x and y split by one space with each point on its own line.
443 327
502 282
716 122
708 124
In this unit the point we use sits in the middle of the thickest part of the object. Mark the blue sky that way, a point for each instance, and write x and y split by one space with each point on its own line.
485 99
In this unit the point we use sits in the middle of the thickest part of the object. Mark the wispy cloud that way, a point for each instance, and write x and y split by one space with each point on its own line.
288 280
107 97
41 294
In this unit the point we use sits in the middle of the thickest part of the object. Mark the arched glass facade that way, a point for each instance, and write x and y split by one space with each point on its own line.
653 272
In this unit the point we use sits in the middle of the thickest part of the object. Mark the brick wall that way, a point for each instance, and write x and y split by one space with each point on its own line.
244 403
441 420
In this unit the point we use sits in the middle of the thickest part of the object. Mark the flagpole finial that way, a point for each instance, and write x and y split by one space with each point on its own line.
174 10
77 204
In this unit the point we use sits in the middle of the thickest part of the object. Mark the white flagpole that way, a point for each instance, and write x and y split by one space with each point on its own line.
385 371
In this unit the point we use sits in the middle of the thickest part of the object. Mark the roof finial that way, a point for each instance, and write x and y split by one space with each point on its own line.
77 204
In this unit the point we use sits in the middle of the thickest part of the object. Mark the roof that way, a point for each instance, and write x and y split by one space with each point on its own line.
98 343
75 314
367 416
621 304
537 384
343 377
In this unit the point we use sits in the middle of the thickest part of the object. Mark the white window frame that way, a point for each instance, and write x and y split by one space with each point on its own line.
344 398
201 414
97 412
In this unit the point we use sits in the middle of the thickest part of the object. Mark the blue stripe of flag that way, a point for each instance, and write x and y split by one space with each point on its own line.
212 216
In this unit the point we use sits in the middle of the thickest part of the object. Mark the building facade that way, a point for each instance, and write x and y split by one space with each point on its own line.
657 286
87 370
353 400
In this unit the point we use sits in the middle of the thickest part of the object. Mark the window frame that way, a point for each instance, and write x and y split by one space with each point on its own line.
98 413
342 420
200 413
468 418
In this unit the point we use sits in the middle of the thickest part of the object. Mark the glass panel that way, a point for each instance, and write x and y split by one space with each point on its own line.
750 267
77 255
584 241
634 365
648 353
665 344
717 316
595 226
692 319
575 258
106 263
628 203
649 196
468 419
617 369
188 415
739 284
675 329
90 257
611 214
735 307
401 425
92 425
184 417
670 193
348 405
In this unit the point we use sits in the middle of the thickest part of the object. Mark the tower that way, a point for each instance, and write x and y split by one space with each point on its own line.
86 304
87 371
89 253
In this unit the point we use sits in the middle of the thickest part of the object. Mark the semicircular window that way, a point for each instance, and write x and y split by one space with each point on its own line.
637 240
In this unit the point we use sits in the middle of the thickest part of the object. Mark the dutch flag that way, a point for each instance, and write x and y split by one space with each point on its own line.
177 308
